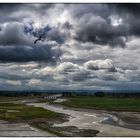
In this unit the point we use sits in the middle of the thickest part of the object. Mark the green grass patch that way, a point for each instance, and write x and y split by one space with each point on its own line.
21 98
9 99
118 104
12 111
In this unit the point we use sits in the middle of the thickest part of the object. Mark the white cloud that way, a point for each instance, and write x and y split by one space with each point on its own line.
84 64
13 82
44 71
100 64
67 67
34 82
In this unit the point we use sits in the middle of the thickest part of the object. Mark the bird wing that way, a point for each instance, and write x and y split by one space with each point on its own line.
36 40
40 38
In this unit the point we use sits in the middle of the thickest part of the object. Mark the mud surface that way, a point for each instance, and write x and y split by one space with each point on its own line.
20 129
109 124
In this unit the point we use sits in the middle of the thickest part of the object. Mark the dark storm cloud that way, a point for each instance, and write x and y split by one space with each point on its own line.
95 26
9 11
95 23
130 12
85 35
9 7
57 36
17 46
25 53
78 10
100 32
131 8
12 34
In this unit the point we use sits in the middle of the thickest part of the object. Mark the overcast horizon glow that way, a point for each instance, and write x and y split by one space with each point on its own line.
86 46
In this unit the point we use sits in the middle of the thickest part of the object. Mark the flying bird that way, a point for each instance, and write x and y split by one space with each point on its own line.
39 38
43 33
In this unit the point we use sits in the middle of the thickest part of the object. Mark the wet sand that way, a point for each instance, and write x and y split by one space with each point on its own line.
107 124
20 129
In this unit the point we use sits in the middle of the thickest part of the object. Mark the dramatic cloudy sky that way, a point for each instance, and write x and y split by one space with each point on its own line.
84 46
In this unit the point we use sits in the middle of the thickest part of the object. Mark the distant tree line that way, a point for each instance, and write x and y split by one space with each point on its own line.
103 94
118 95
70 94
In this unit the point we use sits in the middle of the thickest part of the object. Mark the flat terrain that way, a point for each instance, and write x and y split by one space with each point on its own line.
14 112
21 119
20 129
73 116
105 103
10 99
97 122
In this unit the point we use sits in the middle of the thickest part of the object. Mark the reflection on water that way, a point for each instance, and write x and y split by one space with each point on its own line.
105 123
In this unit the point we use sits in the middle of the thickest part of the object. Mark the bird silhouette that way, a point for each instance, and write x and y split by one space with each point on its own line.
41 34
39 38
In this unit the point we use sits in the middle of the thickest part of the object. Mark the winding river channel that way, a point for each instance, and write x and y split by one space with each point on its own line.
107 124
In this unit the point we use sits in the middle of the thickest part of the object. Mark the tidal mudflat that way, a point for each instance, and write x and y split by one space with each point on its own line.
107 124
21 129
50 119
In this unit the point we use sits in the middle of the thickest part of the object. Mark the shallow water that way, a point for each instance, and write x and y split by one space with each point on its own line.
96 121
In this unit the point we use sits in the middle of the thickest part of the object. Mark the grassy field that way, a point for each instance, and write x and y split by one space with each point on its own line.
21 98
10 99
12 112
118 104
